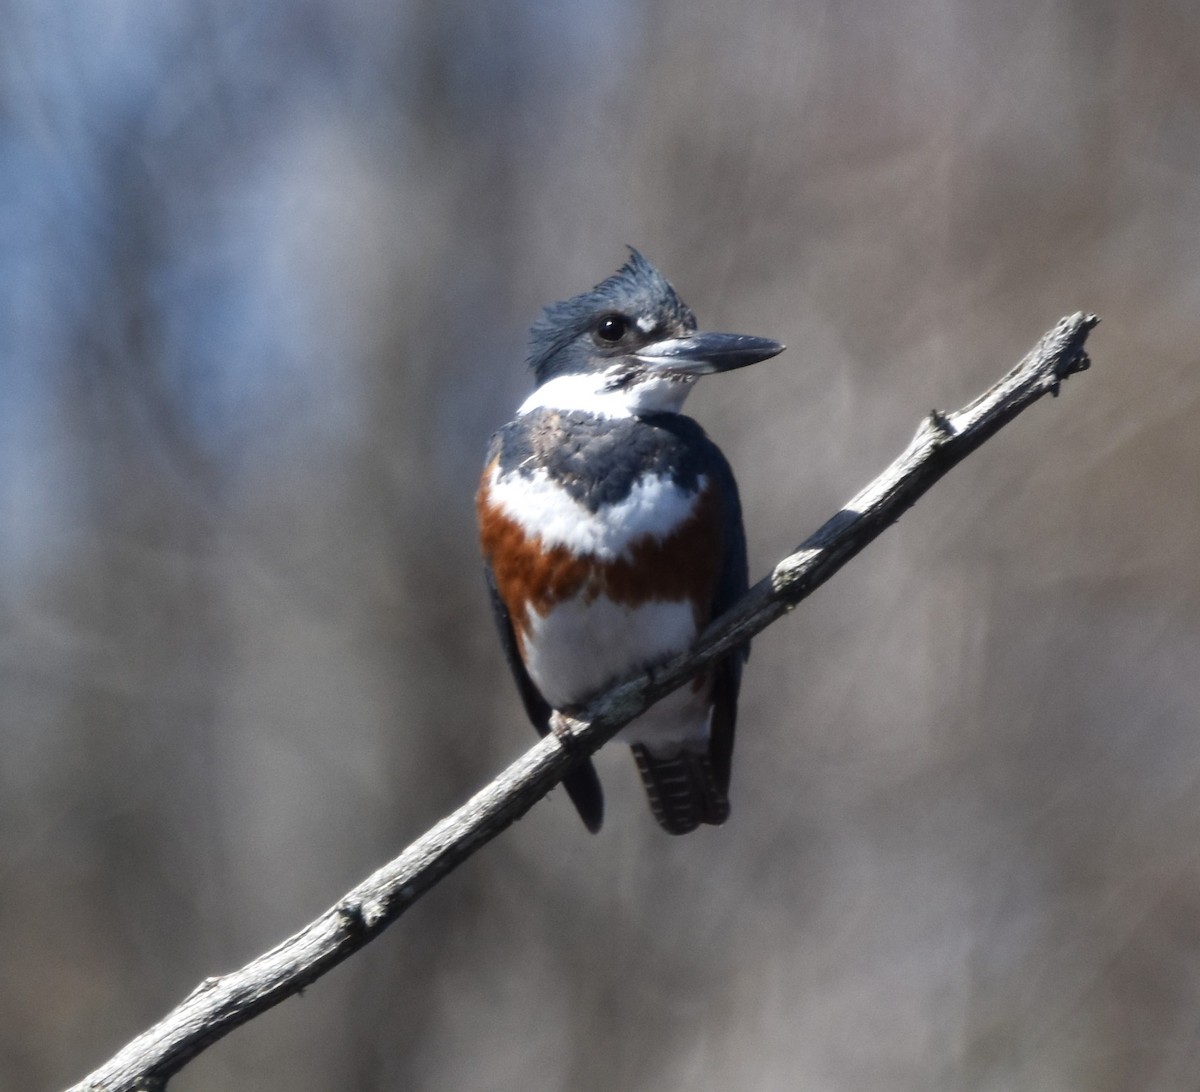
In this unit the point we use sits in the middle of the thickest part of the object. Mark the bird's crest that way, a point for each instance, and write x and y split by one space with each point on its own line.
636 289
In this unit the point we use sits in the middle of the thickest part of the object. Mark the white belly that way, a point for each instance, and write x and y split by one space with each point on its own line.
579 647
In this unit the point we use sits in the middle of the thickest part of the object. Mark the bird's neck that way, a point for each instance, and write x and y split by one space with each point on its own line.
590 393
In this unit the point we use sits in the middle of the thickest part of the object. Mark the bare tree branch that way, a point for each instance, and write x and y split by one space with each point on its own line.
218 1005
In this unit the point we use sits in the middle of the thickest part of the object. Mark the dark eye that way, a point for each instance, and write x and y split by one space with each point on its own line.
611 329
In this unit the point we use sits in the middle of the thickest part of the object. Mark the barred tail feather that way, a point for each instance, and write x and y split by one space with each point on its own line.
683 790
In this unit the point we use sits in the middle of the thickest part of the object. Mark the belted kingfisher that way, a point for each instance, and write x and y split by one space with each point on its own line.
612 533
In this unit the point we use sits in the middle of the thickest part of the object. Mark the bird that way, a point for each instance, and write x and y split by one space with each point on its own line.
611 532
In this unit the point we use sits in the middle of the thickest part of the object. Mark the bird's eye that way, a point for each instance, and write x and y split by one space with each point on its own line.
610 329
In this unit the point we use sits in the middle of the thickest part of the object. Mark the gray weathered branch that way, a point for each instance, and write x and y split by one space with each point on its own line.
218 1005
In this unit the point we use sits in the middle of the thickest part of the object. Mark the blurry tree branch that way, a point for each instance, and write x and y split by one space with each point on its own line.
218 1005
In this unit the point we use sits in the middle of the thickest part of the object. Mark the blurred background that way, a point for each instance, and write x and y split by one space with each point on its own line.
265 276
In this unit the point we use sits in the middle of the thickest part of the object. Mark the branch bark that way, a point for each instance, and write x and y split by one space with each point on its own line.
218 1005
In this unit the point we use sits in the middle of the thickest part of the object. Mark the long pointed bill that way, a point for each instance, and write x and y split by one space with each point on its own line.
704 354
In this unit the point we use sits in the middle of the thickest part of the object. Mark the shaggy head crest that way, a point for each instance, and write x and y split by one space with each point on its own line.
637 291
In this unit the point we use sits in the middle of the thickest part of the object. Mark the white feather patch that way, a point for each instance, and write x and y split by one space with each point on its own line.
587 392
654 506
579 647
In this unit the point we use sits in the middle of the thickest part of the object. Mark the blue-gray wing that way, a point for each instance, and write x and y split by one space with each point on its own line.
732 582
582 783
